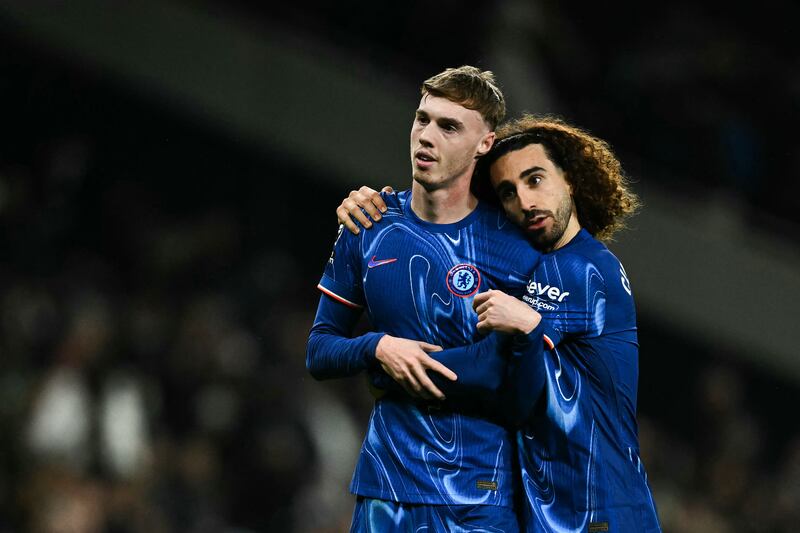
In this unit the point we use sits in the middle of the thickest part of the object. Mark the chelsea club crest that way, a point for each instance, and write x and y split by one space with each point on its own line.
463 280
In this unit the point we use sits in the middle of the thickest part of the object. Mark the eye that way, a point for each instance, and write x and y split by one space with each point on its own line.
422 120
506 193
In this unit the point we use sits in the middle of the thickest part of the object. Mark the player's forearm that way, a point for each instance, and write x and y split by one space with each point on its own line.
526 375
333 356
480 367
330 352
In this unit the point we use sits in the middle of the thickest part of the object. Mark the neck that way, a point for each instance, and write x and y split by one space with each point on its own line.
443 206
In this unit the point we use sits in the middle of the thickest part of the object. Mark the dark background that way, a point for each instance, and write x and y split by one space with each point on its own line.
160 255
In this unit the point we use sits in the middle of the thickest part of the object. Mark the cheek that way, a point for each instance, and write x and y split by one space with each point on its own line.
512 209
528 197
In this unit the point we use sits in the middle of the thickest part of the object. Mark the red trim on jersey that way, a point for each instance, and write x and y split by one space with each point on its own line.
548 342
338 298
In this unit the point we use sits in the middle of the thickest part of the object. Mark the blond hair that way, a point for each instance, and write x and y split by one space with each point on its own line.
472 88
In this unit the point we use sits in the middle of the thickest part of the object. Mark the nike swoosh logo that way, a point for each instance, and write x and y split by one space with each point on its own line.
373 263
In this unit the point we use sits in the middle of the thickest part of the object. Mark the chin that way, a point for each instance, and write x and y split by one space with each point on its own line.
542 240
427 181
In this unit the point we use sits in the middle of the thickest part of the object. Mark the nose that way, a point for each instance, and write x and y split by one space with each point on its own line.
526 198
426 136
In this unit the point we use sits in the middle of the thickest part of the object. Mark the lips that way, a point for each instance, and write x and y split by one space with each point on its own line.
424 159
537 222
424 155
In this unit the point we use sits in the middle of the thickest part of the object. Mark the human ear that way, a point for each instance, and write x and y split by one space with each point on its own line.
486 144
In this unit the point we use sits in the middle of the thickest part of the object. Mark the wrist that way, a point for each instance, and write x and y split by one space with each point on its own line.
529 322
380 347
374 355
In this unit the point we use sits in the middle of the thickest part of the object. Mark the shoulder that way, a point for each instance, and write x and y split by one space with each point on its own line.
590 264
496 222
396 200
507 240
587 252
603 259
578 265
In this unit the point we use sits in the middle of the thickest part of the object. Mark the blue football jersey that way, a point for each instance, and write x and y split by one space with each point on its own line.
579 457
417 280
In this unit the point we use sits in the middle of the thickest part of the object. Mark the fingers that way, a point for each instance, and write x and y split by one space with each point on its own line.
415 380
429 347
352 210
433 364
371 201
483 305
418 381
407 362
344 218
406 380
428 363
483 325
429 389
370 205
481 298
365 191
388 189
437 366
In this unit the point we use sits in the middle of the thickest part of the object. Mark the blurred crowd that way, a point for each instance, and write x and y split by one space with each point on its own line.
153 379
153 329
727 458
152 374
156 291
154 309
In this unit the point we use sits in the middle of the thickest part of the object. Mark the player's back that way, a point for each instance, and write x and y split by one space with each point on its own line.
580 452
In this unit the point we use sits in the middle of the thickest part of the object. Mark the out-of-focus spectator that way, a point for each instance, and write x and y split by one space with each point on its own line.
154 311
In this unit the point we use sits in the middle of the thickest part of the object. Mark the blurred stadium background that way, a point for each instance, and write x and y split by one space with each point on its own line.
168 175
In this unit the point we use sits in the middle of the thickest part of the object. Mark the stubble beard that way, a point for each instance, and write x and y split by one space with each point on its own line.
440 180
545 239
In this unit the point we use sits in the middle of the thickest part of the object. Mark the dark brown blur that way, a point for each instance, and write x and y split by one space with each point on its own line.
158 266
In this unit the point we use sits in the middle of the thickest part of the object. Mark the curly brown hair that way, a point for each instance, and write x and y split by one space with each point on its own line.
600 189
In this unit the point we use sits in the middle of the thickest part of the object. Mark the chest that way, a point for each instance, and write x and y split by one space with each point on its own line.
403 262
422 280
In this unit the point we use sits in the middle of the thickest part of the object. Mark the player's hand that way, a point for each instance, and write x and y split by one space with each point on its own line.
368 199
407 362
497 311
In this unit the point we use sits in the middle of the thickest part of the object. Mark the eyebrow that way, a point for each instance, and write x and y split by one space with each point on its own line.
446 121
527 172
450 121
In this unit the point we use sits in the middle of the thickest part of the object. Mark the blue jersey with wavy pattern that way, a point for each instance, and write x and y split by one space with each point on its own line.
580 462
417 280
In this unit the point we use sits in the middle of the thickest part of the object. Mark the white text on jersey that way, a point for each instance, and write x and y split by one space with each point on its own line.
553 293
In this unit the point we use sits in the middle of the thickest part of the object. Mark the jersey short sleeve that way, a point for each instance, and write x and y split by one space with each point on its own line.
569 292
341 279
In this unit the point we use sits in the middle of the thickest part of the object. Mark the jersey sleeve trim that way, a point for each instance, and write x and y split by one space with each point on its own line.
338 298
548 342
